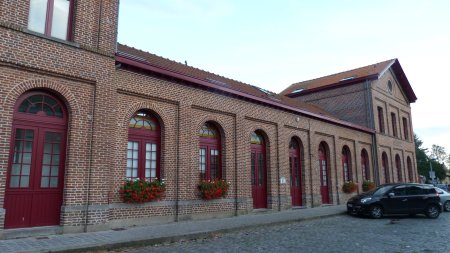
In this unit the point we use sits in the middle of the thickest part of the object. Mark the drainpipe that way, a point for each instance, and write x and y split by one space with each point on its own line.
177 173
310 163
236 202
99 23
91 144
278 168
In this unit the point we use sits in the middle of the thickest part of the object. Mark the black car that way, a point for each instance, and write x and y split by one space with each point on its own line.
397 199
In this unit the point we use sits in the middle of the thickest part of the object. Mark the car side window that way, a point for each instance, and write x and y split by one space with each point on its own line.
399 190
416 190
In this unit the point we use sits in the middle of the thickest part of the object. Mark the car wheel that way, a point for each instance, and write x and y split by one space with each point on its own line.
432 211
376 212
447 206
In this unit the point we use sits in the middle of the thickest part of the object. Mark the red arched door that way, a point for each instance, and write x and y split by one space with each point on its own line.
324 189
35 178
295 171
259 175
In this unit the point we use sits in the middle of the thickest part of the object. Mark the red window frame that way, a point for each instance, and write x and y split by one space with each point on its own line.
143 137
381 119
394 124
210 153
365 165
346 165
405 128
49 19
384 162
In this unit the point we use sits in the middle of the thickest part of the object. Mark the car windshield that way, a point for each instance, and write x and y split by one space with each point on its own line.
382 189
440 191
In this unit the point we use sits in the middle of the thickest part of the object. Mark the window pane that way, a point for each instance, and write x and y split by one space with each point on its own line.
28 146
14 181
48 110
26 169
60 19
153 172
55 160
37 15
15 169
45 170
24 180
55 170
44 182
26 158
47 159
54 182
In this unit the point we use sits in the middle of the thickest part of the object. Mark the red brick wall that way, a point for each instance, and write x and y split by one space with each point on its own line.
349 103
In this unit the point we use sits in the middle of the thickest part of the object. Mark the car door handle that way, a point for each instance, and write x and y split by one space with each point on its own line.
404 200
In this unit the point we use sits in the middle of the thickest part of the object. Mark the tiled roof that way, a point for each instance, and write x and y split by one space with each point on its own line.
152 62
373 71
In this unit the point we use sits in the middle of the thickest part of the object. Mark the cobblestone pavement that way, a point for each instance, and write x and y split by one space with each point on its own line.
335 234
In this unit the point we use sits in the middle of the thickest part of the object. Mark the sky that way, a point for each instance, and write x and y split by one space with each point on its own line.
275 43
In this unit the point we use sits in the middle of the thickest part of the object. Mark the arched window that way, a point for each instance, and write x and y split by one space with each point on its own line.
295 169
35 178
143 154
365 169
410 170
385 165
210 152
258 170
346 165
323 167
398 165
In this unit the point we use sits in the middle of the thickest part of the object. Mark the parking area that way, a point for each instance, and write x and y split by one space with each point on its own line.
335 234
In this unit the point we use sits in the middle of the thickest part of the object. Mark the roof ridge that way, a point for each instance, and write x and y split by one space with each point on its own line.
185 65
350 70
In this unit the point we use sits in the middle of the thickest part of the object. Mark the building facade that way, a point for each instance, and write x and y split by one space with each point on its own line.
80 114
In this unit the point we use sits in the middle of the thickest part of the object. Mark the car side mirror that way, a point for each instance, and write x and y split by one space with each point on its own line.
391 194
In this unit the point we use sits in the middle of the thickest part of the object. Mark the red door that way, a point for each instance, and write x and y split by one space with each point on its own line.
259 180
295 171
35 176
323 176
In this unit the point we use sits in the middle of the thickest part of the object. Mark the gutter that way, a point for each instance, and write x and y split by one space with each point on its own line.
147 66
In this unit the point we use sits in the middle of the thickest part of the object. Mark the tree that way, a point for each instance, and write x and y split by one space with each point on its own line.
424 161
421 157
438 153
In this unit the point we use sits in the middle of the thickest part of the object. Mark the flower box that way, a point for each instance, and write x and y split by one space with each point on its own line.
368 185
139 191
349 187
213 189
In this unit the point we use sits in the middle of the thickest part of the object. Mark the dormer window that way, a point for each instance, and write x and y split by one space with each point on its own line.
50 17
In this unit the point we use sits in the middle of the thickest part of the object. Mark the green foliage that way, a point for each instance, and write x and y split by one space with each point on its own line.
423 160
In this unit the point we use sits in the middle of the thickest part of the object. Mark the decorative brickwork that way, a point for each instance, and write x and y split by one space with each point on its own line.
102 94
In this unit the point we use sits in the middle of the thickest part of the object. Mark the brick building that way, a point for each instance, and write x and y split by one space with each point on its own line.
81 113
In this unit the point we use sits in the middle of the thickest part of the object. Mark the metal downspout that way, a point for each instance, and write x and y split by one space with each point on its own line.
310 163
91 144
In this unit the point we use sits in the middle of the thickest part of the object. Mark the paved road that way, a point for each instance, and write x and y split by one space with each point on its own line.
336 234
